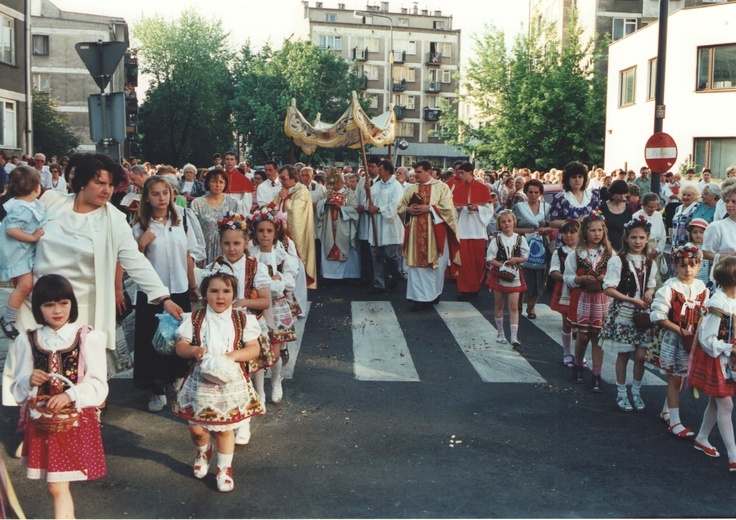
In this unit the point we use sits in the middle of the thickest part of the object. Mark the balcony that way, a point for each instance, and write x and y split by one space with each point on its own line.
432 114
400 112
400 86
399 56
360 54
433 59
432 87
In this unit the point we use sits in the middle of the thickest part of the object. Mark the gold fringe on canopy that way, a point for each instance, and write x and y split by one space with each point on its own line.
379 131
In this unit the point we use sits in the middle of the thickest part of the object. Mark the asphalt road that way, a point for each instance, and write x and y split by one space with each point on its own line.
478 431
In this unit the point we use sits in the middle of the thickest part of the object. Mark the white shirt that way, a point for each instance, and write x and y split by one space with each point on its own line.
45 174
386 197
218 332
267 191
720 212
613 273
658 233
274 259
60 184
663 297
708 329
571 264
261 280
508 243
363 225
92 387
720 237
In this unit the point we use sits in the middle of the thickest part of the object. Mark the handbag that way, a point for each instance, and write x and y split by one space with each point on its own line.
642 320
507 273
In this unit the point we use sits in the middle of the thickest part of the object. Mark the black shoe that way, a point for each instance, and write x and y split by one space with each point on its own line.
284 354
9 328
421 306
577 374
376 290
596 384
435 301
393 284
463 297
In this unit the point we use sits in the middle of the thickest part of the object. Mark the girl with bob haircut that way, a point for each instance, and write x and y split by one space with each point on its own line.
77 353
714 363
561 293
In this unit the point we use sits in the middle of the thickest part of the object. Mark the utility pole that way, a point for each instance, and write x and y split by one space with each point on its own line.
659 108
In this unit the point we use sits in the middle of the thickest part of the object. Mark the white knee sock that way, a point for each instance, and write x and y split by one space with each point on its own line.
276 371
514 332
725 425
675 418
258 383
205 447
499 327
567 343
224 460
636 387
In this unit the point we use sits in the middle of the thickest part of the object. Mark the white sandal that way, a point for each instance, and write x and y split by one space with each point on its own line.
225 482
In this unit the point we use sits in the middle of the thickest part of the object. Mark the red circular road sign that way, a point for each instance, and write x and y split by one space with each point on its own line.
660 152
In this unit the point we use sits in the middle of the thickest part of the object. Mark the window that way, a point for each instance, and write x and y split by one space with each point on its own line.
403 100
626 87
40 45
41 82
410 47
7 40
330 17
410 102
717 67
406 130
652 79
446 76
332 43
715 153
445 49
403 22
433 102
407 74
439 24
371 71
7 124
622 27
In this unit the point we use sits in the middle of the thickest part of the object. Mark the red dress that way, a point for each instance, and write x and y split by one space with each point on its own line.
708 373
588 309
75 454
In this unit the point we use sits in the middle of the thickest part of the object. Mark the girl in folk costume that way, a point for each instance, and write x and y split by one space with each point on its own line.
585 269
677 306
561 294
713 362
630 280
506 252
267 246
696 229
61 348
253 294
217 394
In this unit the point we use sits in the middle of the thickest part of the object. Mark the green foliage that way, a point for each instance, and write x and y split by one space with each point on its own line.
538 106
266 82
51 134
186 116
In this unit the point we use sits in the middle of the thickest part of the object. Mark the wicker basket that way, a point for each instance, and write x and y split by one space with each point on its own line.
52 421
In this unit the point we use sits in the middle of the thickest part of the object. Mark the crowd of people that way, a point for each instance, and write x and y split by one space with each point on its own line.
230 252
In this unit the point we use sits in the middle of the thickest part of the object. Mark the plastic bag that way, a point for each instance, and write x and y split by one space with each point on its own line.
164 341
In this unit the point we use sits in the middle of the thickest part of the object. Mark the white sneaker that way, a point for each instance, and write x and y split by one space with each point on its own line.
157 403
277 391
242 434
501 340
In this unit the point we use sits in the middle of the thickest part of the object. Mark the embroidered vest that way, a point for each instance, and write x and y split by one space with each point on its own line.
627 284
690 319
64 362
501 255
562 257
239 318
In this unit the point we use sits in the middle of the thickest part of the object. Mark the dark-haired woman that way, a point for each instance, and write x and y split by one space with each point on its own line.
574 201
85 238
617 213
210 208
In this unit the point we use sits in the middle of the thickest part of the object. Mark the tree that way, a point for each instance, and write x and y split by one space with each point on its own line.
537 106
51 135
186 115
320 81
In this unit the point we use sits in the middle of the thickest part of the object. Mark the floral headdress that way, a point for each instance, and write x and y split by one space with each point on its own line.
270 213
686 251
595 215
640 222
233 220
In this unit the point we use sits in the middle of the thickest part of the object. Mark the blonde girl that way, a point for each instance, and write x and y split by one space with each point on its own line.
506 252
585 269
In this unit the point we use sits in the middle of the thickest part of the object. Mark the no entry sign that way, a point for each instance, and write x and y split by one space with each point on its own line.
660 152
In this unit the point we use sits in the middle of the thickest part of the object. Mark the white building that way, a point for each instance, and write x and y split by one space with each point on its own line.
700 90
426 61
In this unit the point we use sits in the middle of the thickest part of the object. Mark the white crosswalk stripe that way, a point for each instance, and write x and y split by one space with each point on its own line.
379 347
287 372
550 322
476 337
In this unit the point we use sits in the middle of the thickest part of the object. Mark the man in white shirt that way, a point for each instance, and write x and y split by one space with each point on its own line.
386 194
268 189
42 168
706 177
366 263
402 177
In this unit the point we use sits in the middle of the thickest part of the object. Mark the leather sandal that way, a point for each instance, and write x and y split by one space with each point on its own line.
685 433
202 463
225 482
665 418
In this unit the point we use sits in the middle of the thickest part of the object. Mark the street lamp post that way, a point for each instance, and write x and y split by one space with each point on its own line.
362 15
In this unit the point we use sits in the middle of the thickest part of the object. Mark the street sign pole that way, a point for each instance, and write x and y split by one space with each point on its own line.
659 110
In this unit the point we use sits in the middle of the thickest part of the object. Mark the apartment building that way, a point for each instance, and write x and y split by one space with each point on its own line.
426 59
12 77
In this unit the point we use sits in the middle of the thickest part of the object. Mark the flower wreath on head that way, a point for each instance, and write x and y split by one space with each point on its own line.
595 215
640 222
233 220
686 251
269 213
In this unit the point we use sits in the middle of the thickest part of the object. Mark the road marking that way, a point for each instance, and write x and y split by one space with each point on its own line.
494 363
550 322
379 348
287 372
